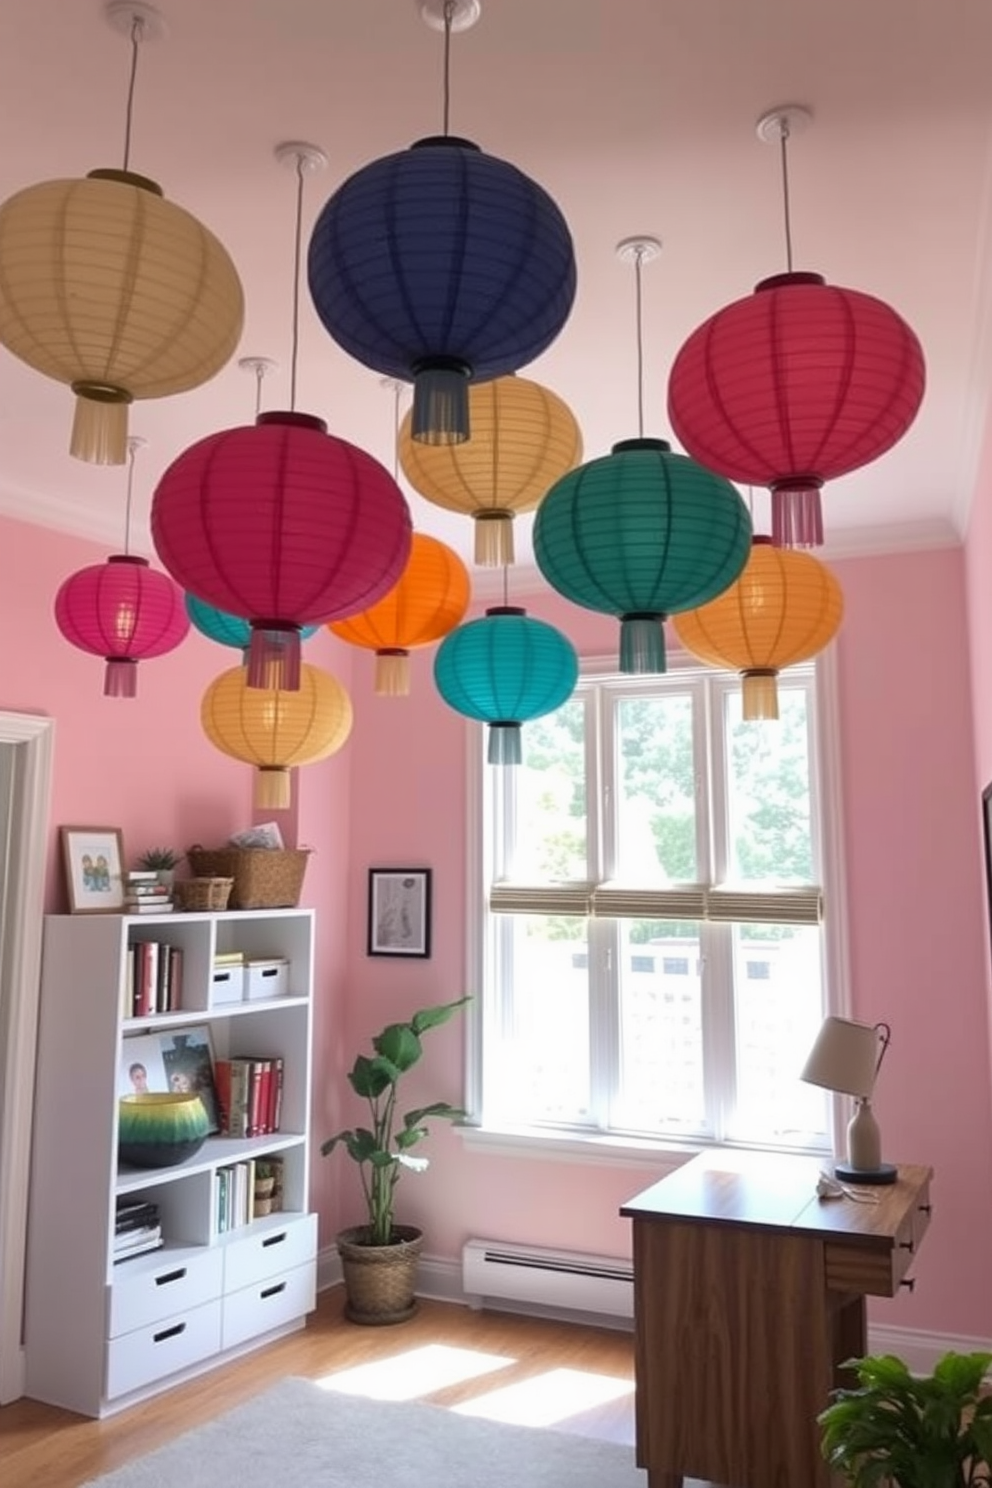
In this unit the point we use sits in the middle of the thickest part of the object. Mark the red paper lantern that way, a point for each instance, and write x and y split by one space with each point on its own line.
797 384
285 525
125 611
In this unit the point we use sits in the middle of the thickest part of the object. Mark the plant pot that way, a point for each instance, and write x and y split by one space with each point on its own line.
380 1279
264 1189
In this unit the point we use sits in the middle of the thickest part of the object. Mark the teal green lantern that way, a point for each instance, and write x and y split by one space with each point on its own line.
219 625
641 533
503 669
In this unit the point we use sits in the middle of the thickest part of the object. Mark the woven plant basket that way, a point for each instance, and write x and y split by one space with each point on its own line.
202 893
264 877
380 1279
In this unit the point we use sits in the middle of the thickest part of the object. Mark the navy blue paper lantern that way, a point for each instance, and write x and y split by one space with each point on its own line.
438 265
219 625
641 533
502 670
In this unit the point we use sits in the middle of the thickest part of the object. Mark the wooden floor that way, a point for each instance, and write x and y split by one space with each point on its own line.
43 1447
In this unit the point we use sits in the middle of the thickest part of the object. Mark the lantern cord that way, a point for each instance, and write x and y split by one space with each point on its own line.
506 585
132 446
784 151
259 374
638 259
449 10
137 31
296 283
397 388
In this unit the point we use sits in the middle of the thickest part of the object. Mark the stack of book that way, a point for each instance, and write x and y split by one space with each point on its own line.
137 1228
249 1092
143 894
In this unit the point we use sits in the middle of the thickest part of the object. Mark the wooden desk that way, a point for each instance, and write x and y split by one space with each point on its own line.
749 1293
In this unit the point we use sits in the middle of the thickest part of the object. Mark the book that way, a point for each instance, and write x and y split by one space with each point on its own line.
148 906
141 876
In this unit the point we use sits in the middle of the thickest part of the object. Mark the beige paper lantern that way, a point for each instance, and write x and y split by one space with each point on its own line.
110 288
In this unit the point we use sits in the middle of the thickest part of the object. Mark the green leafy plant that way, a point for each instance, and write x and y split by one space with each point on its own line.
933 1431
382 1150
160 857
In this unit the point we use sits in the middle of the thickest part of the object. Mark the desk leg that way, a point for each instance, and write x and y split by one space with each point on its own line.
658 1479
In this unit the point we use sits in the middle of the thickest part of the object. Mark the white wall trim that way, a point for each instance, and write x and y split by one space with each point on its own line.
23 915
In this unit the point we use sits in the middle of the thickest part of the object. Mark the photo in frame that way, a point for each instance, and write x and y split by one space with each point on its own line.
399 914
94 869
188 1058
142 1067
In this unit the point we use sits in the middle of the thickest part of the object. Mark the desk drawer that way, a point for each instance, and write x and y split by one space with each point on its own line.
876 1269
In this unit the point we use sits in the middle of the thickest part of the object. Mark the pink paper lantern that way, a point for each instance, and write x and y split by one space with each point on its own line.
125 611
285 525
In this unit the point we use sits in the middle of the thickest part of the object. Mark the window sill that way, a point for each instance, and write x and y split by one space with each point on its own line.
595 1149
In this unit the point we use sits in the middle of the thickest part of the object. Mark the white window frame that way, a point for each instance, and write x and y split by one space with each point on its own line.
595 1146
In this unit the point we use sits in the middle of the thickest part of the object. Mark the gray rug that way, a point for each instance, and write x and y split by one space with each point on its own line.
297 1435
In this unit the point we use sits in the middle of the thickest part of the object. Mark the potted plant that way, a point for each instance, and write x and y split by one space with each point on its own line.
933 1431
163 861
379 1257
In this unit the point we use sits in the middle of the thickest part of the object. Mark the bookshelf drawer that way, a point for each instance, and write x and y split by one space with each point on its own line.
172 1284
226 984
265 979
269 1251
269 1304
151 1353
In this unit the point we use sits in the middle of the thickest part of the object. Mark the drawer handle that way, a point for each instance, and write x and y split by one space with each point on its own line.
274 1239
907 1245
272 1291
909 1282
170 1276
925 1208
173 1332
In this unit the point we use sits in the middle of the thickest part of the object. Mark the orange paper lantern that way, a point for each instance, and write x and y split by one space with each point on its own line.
784 608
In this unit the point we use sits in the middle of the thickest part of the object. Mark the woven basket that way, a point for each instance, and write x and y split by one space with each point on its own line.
264 877
380 1279
202 893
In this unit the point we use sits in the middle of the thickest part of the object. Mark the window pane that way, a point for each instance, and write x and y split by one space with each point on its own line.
768 795
661 1034
538 1070
656 827
779 1008
551 798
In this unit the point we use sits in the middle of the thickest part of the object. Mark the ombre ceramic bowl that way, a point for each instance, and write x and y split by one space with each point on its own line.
160 1130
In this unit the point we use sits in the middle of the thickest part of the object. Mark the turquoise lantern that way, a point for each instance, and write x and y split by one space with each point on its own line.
503 669
228 630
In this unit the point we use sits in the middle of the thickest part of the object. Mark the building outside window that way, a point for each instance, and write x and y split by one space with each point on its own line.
663 931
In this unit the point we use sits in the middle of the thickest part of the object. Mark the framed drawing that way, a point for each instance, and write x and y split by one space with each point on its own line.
987 840
94 876
399 921
188 1059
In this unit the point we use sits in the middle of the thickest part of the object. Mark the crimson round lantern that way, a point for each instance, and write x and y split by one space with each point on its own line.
284 524
125 611
797 384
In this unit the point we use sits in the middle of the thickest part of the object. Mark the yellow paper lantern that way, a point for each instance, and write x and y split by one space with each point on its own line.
784 608
430 599
524 437
275 730
110 288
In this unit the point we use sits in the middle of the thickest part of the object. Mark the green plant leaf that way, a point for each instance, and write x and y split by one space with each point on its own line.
370 1077
433 1016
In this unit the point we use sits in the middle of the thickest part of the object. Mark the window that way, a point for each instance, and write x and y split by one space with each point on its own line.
655 948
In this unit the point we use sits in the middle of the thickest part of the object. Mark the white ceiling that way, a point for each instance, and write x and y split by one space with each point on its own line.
638 117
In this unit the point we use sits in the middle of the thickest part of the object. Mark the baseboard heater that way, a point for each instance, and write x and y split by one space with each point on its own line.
548 1278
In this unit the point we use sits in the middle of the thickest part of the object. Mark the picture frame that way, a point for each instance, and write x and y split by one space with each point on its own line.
181 1060
987 842
94 869
399 912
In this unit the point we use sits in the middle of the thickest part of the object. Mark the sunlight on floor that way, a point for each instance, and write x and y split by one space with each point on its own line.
416 1372
547 1398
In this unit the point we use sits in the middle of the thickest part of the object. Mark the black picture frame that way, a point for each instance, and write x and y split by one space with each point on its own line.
987 840
399 912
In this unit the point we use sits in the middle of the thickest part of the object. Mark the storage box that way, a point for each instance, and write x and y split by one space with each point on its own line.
264 979
226 984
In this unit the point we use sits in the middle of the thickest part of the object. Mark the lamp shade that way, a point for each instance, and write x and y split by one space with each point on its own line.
429 600
783 608
285 524
110 288
125 611
845 1057
793 386
503 669
524 438
641 533
227 630
438 264
274 729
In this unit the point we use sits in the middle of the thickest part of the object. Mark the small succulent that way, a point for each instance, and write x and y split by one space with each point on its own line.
160 857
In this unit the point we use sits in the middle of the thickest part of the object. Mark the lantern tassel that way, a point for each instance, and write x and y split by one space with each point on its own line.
504 744
797 515
642 644
759 695
274 657
392 673
273 788
99 425
440 401
120 679
493 539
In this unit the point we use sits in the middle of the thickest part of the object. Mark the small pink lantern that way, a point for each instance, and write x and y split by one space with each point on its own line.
125 611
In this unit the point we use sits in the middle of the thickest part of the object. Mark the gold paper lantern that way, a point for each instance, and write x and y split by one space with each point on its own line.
110 288
275 730
524 437
784 608
429 600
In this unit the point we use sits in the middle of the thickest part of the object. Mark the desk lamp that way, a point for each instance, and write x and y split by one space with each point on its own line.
846 1058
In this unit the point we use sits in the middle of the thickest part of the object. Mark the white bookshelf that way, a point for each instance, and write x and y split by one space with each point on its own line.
101 1335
